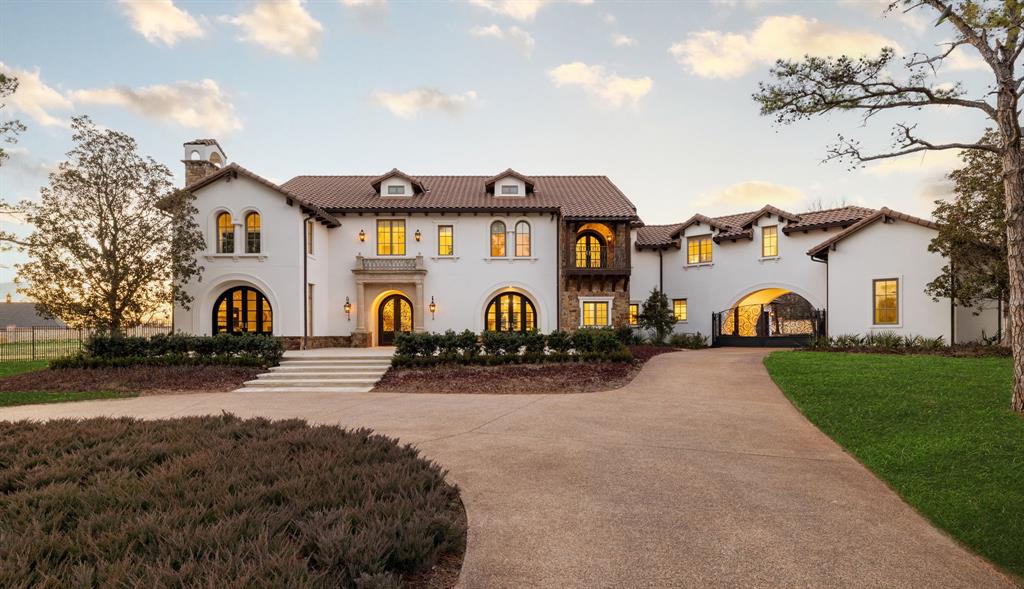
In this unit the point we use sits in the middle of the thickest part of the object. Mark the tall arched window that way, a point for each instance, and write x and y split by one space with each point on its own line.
225 234
252 233
522 239
242 310
590 251
497 239
511 311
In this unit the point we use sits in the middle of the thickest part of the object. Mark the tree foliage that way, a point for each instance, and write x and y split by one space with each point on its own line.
9 128
656 315
112 237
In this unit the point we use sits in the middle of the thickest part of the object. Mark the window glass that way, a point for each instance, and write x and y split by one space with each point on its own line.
309 237
886 307
510 189
522 239
497 239
698 250
445 240
769 241
589 251
252 233
391 237
396 189
679 309
595 313
634 314
225 234
510 311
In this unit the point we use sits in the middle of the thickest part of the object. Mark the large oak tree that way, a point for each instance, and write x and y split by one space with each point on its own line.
112 236
991 29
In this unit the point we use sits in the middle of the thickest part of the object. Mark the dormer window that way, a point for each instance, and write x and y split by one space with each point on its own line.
510 189
396 190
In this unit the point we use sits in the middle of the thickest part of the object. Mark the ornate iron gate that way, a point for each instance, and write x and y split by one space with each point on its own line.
769 325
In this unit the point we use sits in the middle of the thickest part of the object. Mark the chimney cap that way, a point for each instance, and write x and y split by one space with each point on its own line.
207 142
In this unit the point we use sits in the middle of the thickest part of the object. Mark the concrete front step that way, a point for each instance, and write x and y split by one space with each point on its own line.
345 359
271 382
325 364
304 389
322 374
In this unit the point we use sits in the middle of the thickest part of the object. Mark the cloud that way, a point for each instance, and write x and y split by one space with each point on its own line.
927 161
620 40
34 98
161 21
408 105
608 89
962 60
715 54
521 10
916 21
197 105
751 194
364 3
281 26
609 18
518 37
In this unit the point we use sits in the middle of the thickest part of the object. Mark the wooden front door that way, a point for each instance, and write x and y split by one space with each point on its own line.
394 316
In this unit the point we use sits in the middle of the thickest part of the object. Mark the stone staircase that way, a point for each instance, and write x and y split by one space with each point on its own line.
326 371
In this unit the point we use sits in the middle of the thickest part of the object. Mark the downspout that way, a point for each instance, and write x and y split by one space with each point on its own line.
558 274
305 282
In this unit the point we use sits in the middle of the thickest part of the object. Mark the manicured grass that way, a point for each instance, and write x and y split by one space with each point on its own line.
20 366
937 429
10 399
219 502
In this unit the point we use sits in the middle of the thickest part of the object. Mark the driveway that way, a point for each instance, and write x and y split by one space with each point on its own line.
698 474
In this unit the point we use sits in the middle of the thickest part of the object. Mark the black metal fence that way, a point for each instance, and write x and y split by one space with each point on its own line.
45 343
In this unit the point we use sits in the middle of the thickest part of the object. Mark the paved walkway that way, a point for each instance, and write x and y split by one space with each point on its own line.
698 474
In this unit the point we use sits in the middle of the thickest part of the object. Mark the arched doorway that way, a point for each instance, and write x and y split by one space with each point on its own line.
394 316
242 309
510 311
769 316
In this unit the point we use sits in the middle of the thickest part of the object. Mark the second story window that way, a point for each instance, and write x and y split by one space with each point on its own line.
252 233
225 234
679 309
510 189
309 237
769 241
522 239
396 190
590 251
497 239
391 237
698 250
445 240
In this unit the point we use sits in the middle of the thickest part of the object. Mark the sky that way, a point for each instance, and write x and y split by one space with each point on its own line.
655 95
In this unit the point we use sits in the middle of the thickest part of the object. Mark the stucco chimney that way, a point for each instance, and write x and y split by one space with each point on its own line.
202 158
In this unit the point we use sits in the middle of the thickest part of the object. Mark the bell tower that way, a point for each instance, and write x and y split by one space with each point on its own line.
202 158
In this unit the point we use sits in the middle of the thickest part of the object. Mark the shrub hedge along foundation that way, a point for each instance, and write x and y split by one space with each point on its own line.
497 348
890 342
217 502
117 351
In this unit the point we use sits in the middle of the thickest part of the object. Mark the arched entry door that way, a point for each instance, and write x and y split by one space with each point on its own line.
242 309
394 316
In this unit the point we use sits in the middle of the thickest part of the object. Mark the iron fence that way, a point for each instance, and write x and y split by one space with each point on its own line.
767 321
47 343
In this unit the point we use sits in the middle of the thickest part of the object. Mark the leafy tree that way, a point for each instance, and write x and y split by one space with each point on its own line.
991 29
112 238
656 315
972 233
9 131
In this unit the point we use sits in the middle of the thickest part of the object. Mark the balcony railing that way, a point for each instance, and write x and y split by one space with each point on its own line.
389 264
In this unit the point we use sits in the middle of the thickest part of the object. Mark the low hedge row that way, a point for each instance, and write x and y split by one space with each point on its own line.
457 347
502 360
83 361
889 342
101 351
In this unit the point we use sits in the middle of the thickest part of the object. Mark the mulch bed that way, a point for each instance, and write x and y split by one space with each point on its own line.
519 378
145 380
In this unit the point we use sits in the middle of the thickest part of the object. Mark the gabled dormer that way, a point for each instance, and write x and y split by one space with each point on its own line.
509 184
396 184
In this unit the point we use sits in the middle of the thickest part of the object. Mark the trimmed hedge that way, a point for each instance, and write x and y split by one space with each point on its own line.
691 341
175 349
890 342
496 348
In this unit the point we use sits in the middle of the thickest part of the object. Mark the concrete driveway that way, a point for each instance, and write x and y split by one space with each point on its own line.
698 474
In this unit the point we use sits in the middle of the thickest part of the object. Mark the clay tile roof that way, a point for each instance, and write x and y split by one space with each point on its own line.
883 214
233 170
576 197
396 173
829 218
657 236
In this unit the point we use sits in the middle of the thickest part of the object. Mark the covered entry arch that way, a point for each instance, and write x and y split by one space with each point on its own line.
769 316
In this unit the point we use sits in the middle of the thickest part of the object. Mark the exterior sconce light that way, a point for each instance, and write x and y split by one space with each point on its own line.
433 307
362 235
348 309
418 235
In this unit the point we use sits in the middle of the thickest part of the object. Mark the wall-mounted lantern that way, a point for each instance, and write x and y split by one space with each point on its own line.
432 307
418 235
348 309
362 235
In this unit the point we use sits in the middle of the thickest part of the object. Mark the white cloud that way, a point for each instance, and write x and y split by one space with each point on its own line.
916 21
751 194
197 105
521 10
716 54
963 59
281 26
518 37
609 18
926 161
620 40
35 98
367 3
608 89
408 105
161 21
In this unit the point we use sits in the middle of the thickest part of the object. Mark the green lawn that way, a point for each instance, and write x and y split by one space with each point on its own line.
937 429
19 366
9 399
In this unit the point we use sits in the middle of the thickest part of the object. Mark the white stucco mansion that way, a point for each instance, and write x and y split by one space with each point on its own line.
354 260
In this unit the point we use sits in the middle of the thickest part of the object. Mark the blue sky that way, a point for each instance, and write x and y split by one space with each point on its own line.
654 95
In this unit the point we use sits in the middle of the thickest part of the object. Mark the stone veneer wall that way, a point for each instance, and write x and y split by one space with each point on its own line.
598 285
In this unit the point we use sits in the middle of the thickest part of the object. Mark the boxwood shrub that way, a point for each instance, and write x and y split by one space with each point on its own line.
497 348
175 349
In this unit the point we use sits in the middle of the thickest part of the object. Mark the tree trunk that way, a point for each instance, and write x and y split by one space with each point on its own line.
1013 183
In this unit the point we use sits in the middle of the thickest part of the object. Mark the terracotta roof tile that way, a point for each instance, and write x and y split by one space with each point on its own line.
654 236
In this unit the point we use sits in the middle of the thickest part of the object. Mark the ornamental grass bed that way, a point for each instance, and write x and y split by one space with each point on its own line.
221 502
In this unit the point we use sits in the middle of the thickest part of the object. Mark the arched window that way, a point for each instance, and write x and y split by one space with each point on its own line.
225 234
590 251
252 233
511 311
497 239
242 310
522 239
